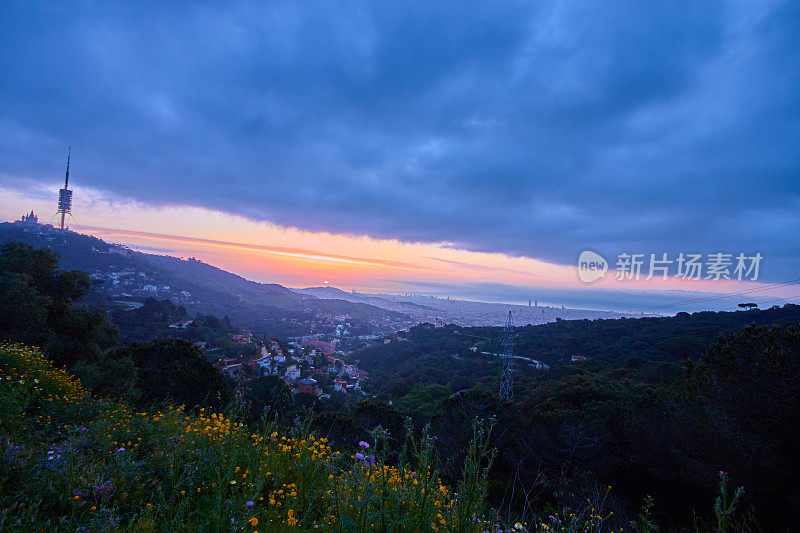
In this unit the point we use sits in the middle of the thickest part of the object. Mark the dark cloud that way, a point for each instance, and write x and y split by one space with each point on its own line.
532 128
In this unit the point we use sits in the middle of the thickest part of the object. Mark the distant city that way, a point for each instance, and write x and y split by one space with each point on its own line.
443 310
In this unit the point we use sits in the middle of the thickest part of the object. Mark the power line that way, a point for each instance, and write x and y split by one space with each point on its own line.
722 296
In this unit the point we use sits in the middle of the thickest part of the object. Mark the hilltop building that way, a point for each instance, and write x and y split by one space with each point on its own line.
29 219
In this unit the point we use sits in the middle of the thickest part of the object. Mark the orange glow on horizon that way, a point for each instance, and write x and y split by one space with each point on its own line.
270 253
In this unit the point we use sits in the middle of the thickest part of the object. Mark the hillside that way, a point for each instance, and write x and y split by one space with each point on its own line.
659 408
461 357
122 274
420 312
76 462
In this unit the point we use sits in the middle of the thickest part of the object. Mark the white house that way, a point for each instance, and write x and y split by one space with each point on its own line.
293 373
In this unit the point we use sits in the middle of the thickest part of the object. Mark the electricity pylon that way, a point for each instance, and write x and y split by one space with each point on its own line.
507 378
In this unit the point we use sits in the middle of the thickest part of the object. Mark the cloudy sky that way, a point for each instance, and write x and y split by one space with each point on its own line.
498 135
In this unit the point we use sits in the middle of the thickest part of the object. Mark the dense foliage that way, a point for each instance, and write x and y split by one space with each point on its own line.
43 305
72 461
647 426
38 306
444 356
176 371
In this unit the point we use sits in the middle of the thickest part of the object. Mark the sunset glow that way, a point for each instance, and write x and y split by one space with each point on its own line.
292 257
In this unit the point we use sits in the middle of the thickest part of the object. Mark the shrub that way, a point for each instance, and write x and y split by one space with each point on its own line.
73 461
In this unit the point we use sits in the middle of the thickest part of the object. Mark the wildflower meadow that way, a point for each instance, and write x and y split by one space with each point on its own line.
75 462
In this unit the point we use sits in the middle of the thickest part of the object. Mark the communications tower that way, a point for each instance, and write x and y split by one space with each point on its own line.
507 378
65 196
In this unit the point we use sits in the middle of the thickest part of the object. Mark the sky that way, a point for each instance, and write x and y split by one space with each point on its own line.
467 149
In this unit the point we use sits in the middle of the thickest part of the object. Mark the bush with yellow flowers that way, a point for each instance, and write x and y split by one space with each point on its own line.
77 462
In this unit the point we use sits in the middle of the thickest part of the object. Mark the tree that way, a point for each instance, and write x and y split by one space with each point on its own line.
109 376
270 395
175 370
39 306
749 388
308 401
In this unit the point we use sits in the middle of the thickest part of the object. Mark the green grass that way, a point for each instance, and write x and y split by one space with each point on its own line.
76 462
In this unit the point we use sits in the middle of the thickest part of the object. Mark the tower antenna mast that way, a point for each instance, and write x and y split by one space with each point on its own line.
66 178
65 195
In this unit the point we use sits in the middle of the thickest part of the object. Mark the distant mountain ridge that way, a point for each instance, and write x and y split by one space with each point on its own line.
423 311
325 292
122 273
262 307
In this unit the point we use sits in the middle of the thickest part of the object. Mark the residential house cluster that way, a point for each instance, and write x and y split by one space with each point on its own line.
128 282
241 338
327 348
297 365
